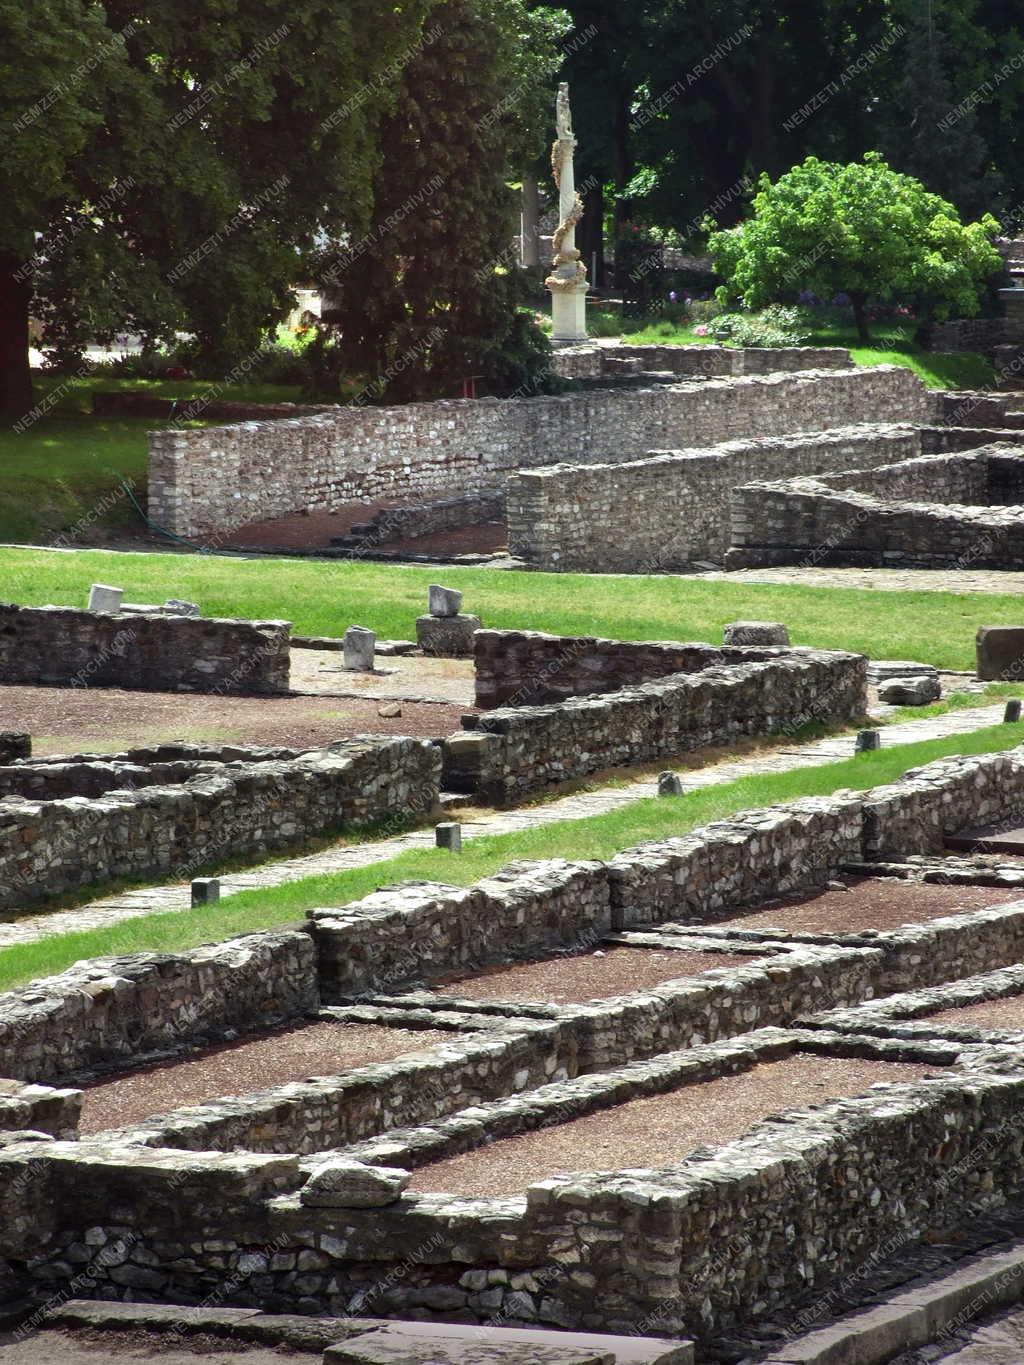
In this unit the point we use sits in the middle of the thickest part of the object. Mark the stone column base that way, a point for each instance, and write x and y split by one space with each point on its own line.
447 637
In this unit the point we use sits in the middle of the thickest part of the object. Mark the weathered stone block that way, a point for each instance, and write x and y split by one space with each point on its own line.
1000 653
358 646
910 691
351 1185
105 599
756 633
447 637
14 744
443 601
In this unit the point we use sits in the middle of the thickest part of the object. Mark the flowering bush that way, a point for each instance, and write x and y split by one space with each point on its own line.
776 325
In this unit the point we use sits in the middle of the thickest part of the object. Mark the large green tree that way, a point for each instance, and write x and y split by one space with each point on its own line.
429 294
863 229
165 164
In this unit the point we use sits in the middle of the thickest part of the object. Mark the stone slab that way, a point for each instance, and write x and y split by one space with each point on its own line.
914 1317
988 839
442 1343
881 670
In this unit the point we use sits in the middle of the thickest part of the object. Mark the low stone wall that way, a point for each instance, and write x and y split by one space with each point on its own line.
829 521
593 1251
755 856
916 814
402 936
597 361
961 408
51 847
511 751
39 1109
119 1008
671 508
59 646
222 477
973 334
530 667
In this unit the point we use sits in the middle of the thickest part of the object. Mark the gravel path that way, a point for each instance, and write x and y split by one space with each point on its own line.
660 1130
880 580
1002 1014
590 976
31 927
871 903
289 1054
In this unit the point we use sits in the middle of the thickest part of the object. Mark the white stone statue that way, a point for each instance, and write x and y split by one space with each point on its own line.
568 279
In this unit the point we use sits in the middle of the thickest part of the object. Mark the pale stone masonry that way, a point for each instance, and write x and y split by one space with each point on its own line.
202 481
672 507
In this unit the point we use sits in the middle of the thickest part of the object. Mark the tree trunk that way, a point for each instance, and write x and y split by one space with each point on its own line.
15 373
531 223
859 299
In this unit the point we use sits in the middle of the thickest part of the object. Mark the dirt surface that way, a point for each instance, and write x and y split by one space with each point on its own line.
660 1130
871 903
1004 1014
315 531
300 532
291 1054
592 976
395 676
73 720
487 537
92 1348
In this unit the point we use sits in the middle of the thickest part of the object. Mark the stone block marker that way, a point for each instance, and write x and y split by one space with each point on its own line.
447 637
756 633
449 835
351 1185
443 601
14 744
670 784
1012 712
205 891
1000 653
106 599
358 646
867 741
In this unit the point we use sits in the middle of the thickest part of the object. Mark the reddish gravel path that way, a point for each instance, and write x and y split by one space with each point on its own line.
660 1130
293 1054
69 720
1004 1014
872 903
592 976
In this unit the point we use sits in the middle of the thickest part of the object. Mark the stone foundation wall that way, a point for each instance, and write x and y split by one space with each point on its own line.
48 848
220 477
592 1251
425 519
39 1109
806 520
59 646
403 935
529 667
511 751
673 507
119 1008
594 362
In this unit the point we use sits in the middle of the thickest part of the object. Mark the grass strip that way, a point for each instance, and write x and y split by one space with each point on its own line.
600 836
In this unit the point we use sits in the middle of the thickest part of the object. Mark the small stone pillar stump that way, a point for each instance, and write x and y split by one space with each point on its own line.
446 633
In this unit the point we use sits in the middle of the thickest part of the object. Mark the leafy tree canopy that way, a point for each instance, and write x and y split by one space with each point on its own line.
165 164
860 228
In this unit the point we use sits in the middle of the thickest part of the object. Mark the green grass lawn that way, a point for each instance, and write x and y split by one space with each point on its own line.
323 598
598 837
63 472
892 344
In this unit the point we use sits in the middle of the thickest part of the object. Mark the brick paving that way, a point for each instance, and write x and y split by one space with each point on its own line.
29 927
